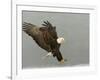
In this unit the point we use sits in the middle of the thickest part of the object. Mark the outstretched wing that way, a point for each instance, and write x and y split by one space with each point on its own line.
36 34
50 33
51 29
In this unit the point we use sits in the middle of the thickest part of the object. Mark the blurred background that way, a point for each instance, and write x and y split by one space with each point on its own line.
74 27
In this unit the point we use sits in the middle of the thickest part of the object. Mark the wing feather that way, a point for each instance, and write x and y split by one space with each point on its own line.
36 34
29 28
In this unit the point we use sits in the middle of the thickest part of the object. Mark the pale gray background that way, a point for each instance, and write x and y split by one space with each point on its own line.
74 27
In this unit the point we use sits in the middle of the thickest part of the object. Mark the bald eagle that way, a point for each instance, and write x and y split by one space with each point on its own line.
46 37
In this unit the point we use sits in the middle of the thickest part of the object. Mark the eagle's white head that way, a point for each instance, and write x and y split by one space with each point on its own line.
60 40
